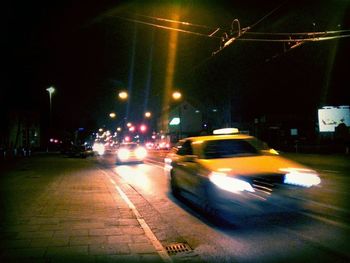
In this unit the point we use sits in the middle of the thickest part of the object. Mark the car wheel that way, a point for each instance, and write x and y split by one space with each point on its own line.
173 185
209 204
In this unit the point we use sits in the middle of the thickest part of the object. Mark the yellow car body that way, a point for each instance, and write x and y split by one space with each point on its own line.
237 174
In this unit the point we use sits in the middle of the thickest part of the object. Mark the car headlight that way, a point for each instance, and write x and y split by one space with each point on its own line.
230 184
123 154
140 153
300 177
99 148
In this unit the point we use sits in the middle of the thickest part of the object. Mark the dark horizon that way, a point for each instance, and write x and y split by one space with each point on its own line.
86 54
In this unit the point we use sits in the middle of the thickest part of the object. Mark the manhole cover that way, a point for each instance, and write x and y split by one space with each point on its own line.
176 248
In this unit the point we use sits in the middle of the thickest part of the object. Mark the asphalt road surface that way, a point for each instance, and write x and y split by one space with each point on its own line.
320 233
127 212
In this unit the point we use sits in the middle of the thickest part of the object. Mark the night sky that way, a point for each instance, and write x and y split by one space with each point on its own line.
86 48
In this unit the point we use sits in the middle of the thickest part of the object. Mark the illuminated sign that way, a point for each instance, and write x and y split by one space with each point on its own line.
175 121
330 117
226 131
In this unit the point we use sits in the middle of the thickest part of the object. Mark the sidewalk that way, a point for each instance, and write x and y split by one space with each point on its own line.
57 209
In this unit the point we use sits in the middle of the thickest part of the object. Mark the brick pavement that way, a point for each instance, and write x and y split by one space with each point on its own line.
56 212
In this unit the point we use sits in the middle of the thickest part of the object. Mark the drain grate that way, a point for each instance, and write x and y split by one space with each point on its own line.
176 248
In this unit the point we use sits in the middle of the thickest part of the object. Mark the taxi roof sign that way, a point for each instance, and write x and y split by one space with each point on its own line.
225 131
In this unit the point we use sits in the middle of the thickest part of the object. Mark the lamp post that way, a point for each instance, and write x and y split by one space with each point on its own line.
148 114
123 95
50 90
177 96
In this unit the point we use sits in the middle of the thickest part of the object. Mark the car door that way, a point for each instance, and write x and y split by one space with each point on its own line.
187 167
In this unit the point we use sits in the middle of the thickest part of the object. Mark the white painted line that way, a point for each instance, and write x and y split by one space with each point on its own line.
155 163
333 207
330 171
326 220
150 235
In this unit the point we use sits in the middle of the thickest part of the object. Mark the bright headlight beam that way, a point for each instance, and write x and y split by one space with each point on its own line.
301 177
230 184
99 148
123 154
140 153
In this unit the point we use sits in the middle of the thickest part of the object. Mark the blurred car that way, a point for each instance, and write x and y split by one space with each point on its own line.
81 151
236 175
163 146
130 152
98 148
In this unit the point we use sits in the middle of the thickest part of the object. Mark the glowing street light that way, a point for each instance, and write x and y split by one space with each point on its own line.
177 121
112 115
143 128
123 95
148 114
176 95
50 90
129 124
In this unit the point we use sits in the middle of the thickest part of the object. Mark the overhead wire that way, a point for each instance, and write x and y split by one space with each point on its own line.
246 32
313 39
176 21
298 33
164 27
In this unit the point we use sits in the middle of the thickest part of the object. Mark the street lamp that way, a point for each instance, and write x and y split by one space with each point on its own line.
123 95
148 114
177 96
50 90
112 115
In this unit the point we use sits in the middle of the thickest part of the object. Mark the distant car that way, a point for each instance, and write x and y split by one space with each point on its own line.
236 175
163 146
130 152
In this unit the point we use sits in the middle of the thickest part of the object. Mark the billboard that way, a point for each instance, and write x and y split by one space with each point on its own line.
330 117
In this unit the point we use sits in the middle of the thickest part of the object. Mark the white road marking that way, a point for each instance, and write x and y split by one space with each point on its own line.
150 235
155 163
326 220
329 171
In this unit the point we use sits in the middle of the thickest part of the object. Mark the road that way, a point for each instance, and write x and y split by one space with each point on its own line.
318 234
91 210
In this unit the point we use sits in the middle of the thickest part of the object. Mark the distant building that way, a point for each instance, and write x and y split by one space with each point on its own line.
23 130
183 120
190 119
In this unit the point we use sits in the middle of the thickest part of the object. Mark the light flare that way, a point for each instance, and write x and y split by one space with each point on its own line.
301 177
230 184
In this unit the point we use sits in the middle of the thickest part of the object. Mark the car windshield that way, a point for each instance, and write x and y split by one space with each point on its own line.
228 148
130 146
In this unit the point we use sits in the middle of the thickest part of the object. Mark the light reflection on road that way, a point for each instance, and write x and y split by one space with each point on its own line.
139 176
276 236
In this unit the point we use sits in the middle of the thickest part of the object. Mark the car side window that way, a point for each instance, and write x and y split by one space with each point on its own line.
186 149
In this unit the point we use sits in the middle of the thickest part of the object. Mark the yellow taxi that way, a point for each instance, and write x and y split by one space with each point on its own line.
236 174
